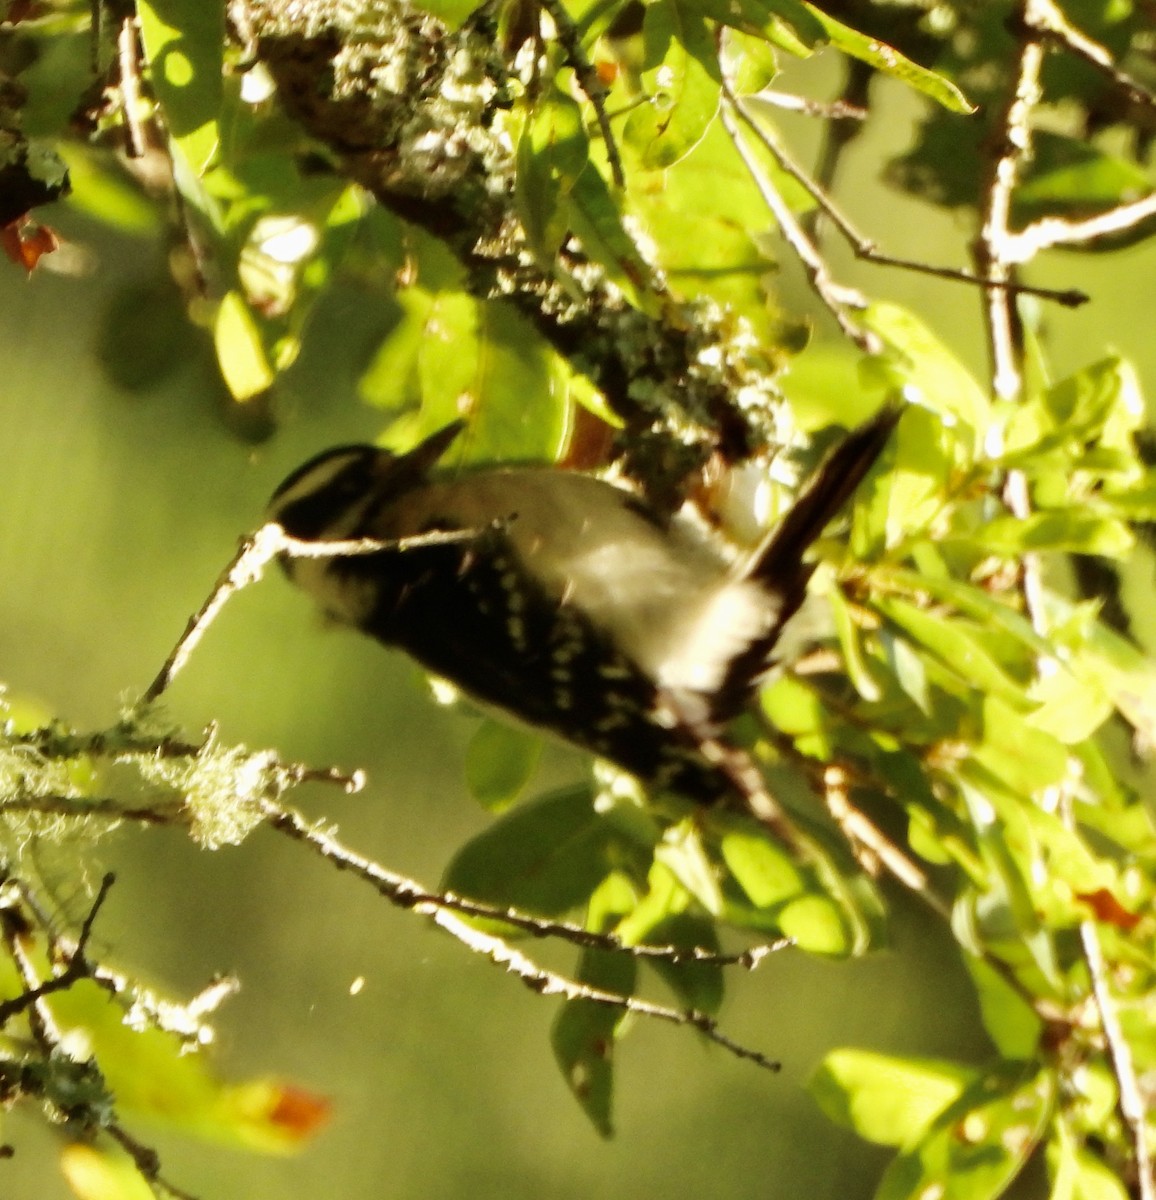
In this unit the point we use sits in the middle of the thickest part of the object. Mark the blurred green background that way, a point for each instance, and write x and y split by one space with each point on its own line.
118 507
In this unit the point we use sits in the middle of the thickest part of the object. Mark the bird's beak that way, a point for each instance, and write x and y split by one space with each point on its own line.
427 454
396 475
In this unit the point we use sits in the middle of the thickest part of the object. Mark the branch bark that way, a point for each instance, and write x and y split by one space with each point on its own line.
415 112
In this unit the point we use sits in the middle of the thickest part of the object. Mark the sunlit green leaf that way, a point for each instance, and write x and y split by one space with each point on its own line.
240 350
907 497
980 1143
682 852
850 644
952 641
764 870
920 366
888 1100
684 88
152 1075
552 152
1074 532
597 222
817 924
452 12
103 1174
103 192
183 43
1011 1022
1023 756
1078 1173
889 61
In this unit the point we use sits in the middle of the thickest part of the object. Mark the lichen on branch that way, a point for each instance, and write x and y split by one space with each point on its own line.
415 112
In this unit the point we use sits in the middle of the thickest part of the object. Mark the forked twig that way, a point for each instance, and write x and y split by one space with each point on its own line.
449 912
863 247
253 555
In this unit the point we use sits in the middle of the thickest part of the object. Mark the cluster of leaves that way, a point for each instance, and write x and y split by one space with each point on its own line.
965 693
952 709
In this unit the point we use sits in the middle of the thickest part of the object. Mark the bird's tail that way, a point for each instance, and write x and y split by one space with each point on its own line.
778 560
779 565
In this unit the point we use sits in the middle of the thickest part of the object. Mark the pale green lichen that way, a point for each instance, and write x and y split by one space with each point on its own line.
224 788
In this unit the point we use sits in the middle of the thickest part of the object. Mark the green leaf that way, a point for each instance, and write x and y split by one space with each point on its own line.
100 189
597 223
1071 707
698 216
889 61
1068 531
683 88
916 359
152 1075
451 12
584 1035
183 44
1113 664
905 498
1023 757
805 28
240 349
553 151
1075 177
682 852
698 985
955 645
585 1031
547 856
520 415
391 381
852 647
888 1100
763 869
500 761
978 1144
1012 1024
1077 1173
96 1173
817 924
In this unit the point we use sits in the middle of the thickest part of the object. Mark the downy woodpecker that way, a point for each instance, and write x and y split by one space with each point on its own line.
569 604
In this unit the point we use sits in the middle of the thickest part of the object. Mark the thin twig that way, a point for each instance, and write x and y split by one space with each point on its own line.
1012 143
588 80
1045 18
1056 231
146 1160
78 967
994 251
1129 1099
835 297
829 110
863 247
549 983
128 56
409 894
247 566
859 829
448 912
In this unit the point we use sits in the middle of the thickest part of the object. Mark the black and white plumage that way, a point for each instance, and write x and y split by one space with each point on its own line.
571 606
